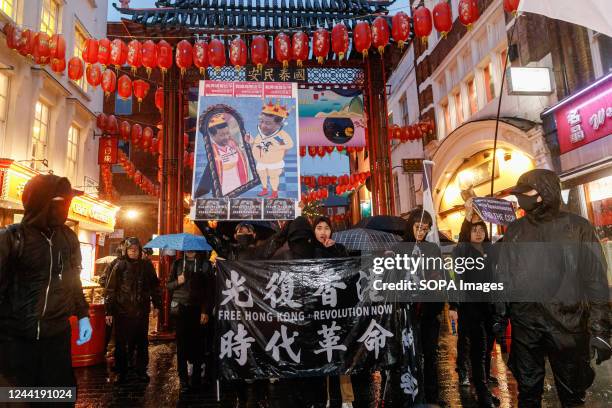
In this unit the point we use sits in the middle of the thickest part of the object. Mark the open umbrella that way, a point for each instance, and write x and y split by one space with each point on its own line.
363 239
180 242
385 223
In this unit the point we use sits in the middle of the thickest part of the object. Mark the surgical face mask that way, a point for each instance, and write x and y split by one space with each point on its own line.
528 203
245 239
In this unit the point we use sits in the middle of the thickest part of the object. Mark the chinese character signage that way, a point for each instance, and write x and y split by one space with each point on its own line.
311 318
107 151
246 162
412 165
332 118
585 118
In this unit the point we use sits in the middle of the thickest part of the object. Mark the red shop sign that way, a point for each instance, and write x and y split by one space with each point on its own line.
107 151
586 117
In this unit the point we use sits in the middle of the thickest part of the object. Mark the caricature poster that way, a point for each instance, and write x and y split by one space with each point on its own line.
246 161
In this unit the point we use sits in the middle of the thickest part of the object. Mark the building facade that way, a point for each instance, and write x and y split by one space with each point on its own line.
48 121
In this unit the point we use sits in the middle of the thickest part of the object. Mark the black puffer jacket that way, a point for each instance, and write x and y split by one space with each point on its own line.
131 288
553 268
40 266
198 289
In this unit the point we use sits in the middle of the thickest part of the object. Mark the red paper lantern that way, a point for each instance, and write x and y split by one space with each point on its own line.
26 42
112 126
321 151
141 88
154 145
57 47
134 56
340 40
443 18
164 56
94 75
511 6
109 82
147 138
282 49
90 51
119 51
400 28
184 56
299 47
259 51
380 34
138 177
468 12
200 56
302 151
58 65
41 48
101 121
125 130
75 68
329 149
124 86
362 37
422 23
320 45
312 151
159 99
149 56
136 134
104 52
216 54
238 53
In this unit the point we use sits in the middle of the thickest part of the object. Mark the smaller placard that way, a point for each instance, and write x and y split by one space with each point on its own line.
212 209
494 210
279 209
245 209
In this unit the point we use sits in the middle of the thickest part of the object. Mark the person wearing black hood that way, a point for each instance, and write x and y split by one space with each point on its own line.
554 272
192 286
40 288
132 285
428 314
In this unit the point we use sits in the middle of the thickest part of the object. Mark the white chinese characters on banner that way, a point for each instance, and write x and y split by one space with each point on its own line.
235 286
285 343
328 292
409 384
408 340
283 283
375 337
330 340
236 345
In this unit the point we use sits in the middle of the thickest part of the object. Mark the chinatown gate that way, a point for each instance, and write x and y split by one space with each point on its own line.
175 20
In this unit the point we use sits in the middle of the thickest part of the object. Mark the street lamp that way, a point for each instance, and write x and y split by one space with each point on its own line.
131 214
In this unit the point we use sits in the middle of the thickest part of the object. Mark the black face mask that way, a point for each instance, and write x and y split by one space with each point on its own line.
58 213
528 203
245 239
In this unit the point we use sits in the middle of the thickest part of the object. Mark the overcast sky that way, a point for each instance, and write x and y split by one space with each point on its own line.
114 16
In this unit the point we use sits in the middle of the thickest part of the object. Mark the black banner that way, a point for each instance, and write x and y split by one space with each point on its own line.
305 318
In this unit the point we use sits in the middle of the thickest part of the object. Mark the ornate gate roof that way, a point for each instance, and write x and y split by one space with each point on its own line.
227 16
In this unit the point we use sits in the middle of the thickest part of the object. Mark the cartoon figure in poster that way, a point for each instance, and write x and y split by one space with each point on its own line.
270 146
230 162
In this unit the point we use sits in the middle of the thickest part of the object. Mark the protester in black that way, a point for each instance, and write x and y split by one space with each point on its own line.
132 285
191 284
40 288
475 310
554 271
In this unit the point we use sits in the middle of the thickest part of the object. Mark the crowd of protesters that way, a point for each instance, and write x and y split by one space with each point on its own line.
39 292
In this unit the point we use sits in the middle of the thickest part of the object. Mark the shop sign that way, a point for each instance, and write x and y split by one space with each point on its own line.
82 208
586 118
412 165
107 151
529 81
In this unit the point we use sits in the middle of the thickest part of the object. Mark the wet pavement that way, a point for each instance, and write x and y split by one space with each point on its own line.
96 390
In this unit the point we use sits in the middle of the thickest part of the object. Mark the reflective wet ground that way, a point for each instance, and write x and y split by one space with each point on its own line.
95 390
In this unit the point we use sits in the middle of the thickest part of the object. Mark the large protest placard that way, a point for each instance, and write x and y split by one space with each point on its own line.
246 163
305 318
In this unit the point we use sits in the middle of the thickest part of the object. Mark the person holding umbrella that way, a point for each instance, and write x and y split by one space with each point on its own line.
191 284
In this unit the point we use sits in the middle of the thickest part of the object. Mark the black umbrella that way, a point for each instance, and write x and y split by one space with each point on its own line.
362 239
263 229
385 223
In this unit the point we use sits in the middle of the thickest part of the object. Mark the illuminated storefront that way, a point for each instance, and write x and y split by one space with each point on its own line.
583 127
88 215
464 166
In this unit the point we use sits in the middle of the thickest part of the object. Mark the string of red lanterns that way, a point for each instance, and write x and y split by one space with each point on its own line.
411 132
143 182
326 181
322 151
140 138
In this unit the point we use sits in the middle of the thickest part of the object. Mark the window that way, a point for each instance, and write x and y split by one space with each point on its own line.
458 108
4 93
473 97
404 110
447 123
79 43
71 153
488 82
8 7
50 17
40 131
605 52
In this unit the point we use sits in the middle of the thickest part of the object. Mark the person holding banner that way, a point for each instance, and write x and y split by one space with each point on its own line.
191 283
270 146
